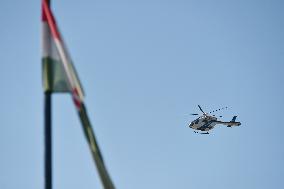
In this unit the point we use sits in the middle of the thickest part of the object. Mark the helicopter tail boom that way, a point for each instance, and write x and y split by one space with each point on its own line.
231 123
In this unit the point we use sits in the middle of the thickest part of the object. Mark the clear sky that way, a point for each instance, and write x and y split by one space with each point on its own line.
145 66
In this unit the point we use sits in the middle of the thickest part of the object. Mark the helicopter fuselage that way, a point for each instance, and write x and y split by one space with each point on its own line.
204 123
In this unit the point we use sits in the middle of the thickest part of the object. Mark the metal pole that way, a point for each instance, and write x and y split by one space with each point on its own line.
47 137
47 141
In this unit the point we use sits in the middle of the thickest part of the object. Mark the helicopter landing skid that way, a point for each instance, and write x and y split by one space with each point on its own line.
207 133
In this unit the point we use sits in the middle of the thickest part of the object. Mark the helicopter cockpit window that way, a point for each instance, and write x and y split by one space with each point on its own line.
196 122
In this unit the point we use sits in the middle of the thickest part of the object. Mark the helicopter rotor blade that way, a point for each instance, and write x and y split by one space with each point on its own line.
193 114
201 109
218 110
216 116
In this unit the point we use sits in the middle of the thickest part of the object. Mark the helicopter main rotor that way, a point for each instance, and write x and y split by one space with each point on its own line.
201 109
209 112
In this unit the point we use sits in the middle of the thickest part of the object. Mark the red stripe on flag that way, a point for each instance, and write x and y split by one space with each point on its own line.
76 99
43 16
48 16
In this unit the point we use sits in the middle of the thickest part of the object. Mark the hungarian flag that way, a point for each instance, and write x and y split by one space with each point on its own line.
59 75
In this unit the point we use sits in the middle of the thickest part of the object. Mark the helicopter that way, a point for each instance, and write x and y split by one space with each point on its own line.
206 122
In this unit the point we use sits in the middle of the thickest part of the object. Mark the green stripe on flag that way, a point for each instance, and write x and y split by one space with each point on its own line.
54 77
89 133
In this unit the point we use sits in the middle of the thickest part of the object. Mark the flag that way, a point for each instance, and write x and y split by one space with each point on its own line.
59 75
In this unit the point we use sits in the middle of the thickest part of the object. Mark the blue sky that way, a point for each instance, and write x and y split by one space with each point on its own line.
145 66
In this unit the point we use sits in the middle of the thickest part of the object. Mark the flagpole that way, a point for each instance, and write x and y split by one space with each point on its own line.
47 137
47 141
